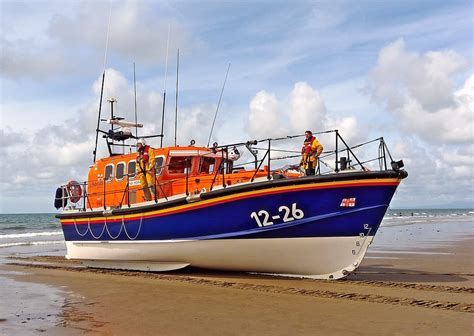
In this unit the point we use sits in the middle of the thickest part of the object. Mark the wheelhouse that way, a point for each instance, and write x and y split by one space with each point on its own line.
113 181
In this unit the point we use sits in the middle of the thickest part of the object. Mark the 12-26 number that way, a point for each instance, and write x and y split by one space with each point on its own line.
262 217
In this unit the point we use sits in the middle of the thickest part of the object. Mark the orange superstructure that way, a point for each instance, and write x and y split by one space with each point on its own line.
113 182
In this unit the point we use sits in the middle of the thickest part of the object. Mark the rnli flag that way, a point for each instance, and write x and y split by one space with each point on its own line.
348 202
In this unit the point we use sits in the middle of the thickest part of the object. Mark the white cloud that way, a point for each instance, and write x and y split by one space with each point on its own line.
195 124
419 89
135 33
26 58
303 110
114 84
437 175
9 139
264 119
306 106
68 38
348 127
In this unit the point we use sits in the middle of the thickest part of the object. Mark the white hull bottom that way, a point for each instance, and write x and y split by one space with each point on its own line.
318 258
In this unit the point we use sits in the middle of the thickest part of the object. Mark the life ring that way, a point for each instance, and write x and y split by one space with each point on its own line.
74 191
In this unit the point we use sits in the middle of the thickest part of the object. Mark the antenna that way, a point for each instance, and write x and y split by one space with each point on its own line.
98 117
164 88
135 92
218 104
103 80
111 100
176 110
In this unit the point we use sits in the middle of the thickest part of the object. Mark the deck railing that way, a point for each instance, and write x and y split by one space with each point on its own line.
267 154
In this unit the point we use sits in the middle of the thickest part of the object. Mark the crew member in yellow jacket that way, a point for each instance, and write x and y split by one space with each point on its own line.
310 153
146 168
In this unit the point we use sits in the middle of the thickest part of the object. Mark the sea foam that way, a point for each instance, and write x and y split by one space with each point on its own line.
44 242
30 234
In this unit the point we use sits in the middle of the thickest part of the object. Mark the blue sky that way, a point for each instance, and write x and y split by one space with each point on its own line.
399 69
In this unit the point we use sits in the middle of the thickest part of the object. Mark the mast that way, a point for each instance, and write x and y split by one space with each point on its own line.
98 117
102 86
176 109
111 100
164 89
218 104
135 92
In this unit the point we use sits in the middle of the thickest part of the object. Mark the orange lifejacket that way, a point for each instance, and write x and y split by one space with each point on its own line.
143 156
307 149
146 160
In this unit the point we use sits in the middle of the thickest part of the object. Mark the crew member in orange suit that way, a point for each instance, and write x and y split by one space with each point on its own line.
146 168
310 153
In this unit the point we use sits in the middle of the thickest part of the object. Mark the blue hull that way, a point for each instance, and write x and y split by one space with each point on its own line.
231 218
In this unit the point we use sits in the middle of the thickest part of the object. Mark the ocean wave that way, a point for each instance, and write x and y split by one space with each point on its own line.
17 227
30 234
45 242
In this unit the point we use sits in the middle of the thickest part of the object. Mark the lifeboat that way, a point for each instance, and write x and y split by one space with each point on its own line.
208 211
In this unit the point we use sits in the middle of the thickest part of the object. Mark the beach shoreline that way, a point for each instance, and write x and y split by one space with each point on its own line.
392 293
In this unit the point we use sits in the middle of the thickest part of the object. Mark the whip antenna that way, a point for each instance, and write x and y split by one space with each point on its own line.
176 110
102 86
135 92
218 104
164 88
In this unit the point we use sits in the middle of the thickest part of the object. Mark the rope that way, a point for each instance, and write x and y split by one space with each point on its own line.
138 231
77 230
108 232
92 233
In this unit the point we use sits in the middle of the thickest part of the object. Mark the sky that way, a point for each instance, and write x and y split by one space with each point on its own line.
398 69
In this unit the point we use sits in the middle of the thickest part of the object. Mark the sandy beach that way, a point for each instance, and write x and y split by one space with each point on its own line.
424 293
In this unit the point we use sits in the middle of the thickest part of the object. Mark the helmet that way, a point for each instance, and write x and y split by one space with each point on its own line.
141 141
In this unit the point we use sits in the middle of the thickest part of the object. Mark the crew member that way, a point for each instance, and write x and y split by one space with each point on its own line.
309 153
146 168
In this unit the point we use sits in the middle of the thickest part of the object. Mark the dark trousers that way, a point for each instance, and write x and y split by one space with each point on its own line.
310 171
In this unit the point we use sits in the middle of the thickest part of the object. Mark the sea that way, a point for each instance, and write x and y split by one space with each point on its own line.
401 230
30 234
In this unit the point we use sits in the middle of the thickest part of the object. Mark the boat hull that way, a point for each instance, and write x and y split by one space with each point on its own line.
314 228
320 258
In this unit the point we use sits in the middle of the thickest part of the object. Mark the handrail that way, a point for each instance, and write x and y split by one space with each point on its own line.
226 167
349 150
215 175
269 150
123 195
258 168
154 183
186 168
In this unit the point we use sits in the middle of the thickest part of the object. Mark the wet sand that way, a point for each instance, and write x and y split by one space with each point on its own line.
393 293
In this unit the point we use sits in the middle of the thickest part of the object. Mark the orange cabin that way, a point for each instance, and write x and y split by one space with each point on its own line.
113 181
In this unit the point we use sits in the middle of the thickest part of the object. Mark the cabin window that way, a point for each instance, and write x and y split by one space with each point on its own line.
120 171
109 172
159 165
132 169
206 165
179 165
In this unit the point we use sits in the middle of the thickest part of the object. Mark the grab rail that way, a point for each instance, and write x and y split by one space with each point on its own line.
226 167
